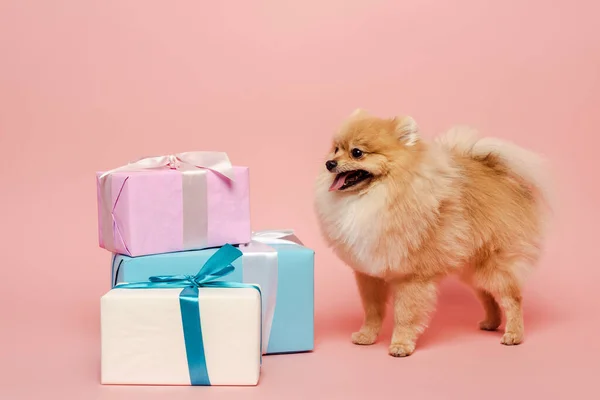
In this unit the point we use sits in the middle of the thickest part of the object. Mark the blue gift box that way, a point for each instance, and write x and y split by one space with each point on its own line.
275 260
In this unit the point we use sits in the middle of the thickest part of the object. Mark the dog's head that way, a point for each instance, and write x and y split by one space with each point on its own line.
366 149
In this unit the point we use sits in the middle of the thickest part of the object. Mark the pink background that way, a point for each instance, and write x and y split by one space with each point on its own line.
89 85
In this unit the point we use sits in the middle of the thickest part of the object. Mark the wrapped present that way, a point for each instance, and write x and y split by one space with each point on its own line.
275 260
183 329
186 201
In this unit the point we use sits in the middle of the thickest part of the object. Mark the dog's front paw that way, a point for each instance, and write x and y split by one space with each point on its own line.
364 338
512 338
401 349
489 325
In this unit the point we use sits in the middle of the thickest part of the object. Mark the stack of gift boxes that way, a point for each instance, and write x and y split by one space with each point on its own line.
196 297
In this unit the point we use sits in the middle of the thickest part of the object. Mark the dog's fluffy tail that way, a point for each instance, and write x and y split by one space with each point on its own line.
528 166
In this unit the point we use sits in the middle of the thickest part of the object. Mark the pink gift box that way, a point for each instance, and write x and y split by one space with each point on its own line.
173 206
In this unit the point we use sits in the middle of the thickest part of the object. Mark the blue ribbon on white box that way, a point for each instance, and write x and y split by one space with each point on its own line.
217 266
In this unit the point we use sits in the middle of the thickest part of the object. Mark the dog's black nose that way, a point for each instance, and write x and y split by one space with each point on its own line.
331 164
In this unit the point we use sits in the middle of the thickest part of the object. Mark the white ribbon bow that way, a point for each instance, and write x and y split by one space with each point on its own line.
214 161
276 236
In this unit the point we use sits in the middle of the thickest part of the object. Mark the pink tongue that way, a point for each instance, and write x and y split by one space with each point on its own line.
338 182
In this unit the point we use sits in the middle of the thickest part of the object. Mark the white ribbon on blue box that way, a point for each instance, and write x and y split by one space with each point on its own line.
276 260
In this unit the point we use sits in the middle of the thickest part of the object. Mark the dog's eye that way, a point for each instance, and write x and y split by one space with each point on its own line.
335 151
356 153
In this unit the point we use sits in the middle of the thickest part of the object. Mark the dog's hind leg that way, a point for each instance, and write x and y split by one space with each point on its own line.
499 277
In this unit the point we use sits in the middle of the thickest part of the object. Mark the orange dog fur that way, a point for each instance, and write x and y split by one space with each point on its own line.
417 212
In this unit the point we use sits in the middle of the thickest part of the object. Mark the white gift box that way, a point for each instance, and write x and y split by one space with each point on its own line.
143 336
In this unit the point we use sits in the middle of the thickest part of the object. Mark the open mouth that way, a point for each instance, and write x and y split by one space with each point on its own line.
345 180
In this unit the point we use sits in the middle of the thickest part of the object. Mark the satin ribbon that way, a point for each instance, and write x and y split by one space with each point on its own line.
266 238
217 266
259 265
193 166
256 255
214 161
276 236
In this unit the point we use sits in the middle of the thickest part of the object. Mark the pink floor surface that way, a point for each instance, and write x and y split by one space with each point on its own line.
57 354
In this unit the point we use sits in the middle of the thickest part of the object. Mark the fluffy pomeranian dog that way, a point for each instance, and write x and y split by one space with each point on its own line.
404 213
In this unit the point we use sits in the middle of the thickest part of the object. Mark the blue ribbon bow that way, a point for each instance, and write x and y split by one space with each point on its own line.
217 266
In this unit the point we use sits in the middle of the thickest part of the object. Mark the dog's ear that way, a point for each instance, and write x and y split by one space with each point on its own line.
407 130
359 113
